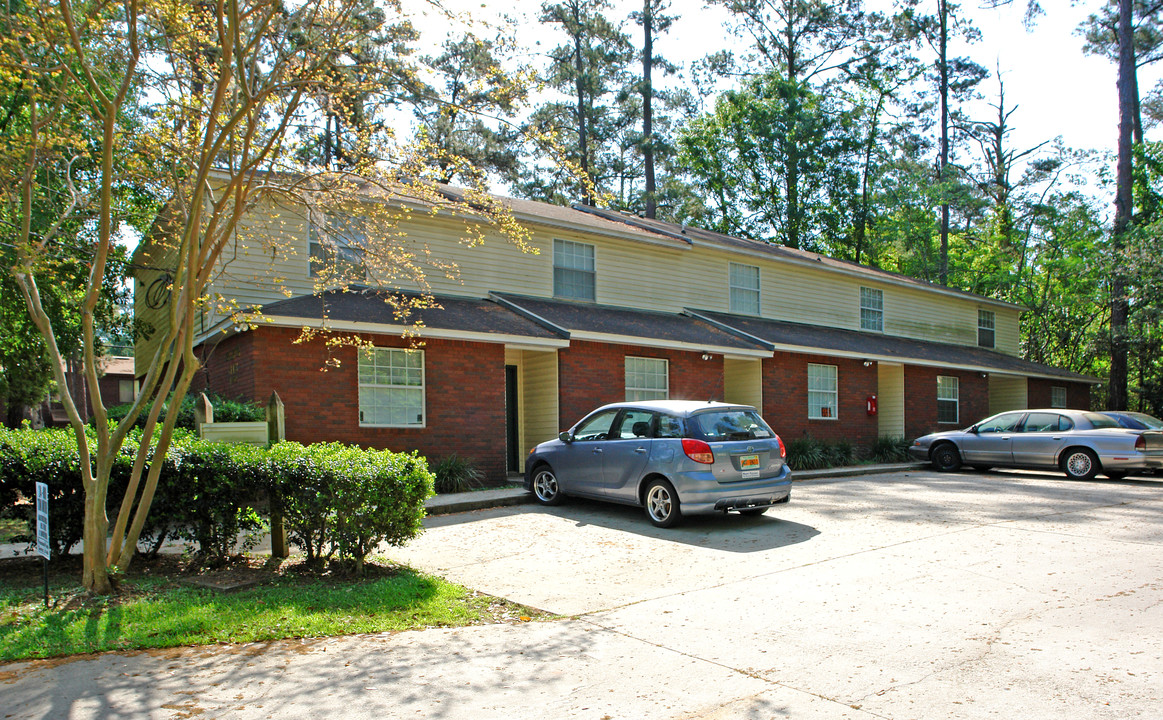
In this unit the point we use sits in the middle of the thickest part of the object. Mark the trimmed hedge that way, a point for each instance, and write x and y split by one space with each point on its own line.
337 499
225 410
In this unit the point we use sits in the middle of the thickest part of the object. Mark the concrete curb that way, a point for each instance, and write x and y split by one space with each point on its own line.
484 499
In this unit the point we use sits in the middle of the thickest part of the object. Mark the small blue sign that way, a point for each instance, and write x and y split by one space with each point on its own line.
42 545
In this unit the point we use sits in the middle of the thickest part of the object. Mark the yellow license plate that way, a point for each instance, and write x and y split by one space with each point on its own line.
749 462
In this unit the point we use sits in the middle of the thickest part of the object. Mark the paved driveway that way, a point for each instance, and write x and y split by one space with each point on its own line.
905 595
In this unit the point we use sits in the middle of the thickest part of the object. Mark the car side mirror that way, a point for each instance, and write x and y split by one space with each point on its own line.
565 436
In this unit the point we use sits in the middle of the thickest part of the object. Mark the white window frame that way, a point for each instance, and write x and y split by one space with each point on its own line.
379 378
1058 396
871 309
342 242
743 283
823 392
639 371
986 323
574 257
949 391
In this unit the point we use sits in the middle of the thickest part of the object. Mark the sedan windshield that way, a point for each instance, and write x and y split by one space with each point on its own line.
730 425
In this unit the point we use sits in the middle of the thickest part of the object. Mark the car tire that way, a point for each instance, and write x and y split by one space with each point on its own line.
661 503
945 457
753 512
545 487
1080 464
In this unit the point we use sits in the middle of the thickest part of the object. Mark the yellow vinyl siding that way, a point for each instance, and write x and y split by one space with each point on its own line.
743 382
270 262
539 398
890 399
1006 393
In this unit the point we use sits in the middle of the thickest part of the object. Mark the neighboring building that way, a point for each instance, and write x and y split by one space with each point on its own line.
613 307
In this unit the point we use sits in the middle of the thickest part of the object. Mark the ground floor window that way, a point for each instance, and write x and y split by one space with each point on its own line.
947 399
822 392
1057 396
391 387
647 379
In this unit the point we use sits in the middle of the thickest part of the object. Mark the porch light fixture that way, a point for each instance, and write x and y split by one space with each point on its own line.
707 356
867 363
984 375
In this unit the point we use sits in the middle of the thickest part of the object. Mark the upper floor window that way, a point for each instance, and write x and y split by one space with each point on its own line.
337 249
985 328
871 309
1057 396
391 387
647 379
744 288
947 399
822 391
573 270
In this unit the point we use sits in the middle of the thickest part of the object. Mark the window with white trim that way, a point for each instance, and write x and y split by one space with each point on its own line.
391 387
126 391
985 328
743 285
1057 396
871 309
573 270
647 378
823 389
337 249
947 399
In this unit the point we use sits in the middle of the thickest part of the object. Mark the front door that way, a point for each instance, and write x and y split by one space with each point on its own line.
512 425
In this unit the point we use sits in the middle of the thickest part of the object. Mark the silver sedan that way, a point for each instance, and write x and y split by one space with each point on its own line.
1080 444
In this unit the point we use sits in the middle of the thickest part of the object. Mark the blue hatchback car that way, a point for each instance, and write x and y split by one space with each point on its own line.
672 457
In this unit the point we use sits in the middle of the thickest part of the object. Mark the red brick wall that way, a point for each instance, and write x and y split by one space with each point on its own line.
593 374
1038 393
464 393
785 399
921 399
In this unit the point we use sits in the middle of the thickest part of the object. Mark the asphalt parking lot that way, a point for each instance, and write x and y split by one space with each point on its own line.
903 595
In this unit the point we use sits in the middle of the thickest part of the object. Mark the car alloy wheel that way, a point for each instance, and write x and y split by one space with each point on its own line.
1080 464
662 504
545 487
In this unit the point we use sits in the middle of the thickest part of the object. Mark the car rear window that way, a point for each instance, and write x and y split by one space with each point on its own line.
1099 420
729 425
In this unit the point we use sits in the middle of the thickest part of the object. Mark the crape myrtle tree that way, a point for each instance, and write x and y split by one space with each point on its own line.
225 82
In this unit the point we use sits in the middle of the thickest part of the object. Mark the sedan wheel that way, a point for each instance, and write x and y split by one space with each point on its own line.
1080 464
662 504
946 458
545 487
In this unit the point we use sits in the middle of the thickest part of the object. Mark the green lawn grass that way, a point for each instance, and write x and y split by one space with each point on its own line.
158 612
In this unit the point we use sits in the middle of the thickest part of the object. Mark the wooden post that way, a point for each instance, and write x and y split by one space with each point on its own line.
277 432
203 412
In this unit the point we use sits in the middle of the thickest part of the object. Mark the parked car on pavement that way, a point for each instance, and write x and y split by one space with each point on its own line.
1135 420
672 457
1081 444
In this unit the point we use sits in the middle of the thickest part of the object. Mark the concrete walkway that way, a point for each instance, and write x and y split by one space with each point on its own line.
902 595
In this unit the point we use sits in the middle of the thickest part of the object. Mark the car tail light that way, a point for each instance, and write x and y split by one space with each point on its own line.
698 451
782 449
1140 443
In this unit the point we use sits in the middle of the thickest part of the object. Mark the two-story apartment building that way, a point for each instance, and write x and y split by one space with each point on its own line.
610 307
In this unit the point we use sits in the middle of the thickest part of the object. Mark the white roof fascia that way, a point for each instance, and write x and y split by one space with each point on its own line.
420 332
615 339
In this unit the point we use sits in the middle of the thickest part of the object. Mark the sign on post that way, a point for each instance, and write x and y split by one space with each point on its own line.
42 545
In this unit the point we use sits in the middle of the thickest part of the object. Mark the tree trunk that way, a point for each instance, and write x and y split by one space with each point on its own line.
647 111
583 131
1124 204
943 68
